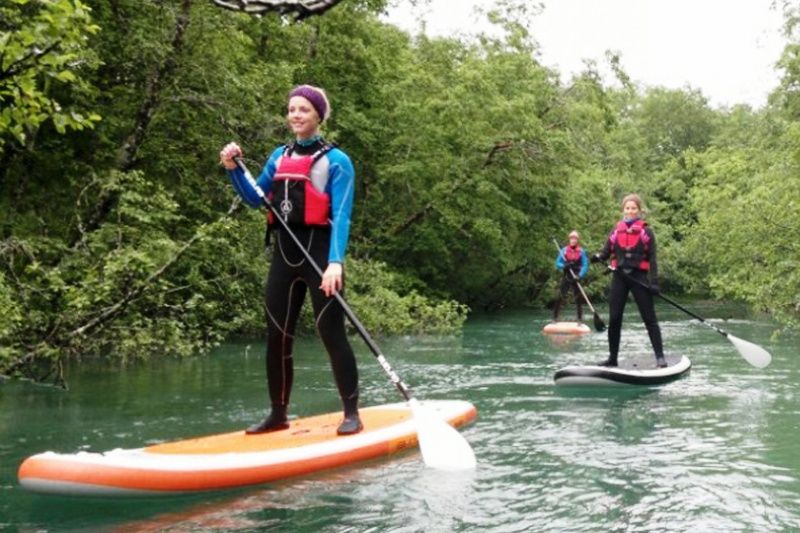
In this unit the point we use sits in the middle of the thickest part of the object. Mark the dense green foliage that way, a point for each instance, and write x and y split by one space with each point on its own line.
44 47
119 235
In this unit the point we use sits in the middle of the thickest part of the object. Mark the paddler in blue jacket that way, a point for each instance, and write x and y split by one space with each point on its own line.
573 261
311 183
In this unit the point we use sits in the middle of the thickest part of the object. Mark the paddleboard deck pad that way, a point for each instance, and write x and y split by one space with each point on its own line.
234 459
566 328
638 370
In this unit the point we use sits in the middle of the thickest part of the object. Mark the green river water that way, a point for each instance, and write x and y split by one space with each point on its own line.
717 450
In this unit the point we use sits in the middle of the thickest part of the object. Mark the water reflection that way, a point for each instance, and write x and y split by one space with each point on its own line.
380 496
714 451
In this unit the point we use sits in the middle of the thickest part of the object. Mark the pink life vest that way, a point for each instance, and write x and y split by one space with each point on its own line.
630 245
572 255
293 193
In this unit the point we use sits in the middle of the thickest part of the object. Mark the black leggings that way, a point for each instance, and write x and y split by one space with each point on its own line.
566 283
290 276
618 296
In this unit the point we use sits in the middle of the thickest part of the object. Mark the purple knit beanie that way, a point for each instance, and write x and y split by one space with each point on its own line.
316 96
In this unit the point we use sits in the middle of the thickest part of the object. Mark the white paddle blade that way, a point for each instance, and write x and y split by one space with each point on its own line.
441 445
752 353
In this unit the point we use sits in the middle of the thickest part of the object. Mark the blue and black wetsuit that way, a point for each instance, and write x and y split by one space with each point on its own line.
571 260
291 275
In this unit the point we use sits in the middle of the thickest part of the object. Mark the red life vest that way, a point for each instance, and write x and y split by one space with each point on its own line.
293 193
572 255
630 245
572 258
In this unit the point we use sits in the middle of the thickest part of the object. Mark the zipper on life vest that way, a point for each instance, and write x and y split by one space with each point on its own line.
285 213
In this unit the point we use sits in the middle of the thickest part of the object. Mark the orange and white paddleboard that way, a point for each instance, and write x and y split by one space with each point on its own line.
234 459
566 328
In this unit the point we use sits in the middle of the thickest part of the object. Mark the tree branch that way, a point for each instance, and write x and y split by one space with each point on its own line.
107 314
416 217
18 66
300 8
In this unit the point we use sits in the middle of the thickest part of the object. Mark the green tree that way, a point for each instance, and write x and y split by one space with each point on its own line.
671 121
44 60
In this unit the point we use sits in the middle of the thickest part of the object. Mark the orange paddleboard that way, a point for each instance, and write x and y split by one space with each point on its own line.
566 328
234 459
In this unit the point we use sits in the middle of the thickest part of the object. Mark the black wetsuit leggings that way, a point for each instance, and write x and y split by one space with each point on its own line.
290 276
618 296
566 283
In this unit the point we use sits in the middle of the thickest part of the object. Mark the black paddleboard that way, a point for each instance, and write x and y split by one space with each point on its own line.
637 370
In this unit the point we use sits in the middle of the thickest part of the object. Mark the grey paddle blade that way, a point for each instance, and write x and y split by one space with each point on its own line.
752 353
441 445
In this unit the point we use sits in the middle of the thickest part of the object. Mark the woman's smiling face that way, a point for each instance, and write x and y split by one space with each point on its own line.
302 118
630 209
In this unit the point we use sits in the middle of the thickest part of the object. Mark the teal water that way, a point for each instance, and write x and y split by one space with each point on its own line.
715 451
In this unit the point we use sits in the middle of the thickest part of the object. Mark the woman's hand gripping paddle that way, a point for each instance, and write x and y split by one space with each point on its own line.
441 445
752 353
599 325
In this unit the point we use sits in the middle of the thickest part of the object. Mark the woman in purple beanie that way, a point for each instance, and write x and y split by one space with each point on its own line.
311 183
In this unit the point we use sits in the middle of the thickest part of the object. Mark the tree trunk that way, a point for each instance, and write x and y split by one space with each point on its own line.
126 157
127 154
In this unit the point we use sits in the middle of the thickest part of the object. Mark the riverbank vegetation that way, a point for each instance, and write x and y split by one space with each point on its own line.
121 235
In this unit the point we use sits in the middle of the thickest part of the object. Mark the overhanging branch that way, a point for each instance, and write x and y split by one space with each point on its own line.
420 214
299 8
61 340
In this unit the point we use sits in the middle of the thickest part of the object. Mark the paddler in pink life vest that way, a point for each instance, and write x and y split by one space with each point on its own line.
310 182
573 261
631 245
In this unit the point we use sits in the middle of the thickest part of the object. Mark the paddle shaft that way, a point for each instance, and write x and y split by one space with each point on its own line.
674 303
373 346
575 278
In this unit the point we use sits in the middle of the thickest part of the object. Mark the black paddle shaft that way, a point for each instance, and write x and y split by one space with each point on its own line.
373 346
674 303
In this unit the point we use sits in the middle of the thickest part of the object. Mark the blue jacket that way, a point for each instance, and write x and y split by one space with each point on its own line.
561 262
340 186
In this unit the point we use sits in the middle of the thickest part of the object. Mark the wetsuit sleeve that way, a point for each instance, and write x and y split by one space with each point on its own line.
584 264
560 259
652 256
341 187
243 187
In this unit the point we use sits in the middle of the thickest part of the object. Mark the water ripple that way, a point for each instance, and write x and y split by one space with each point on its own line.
714 452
